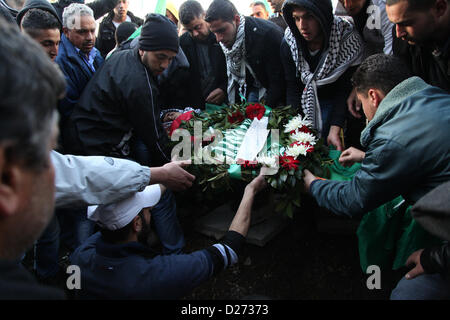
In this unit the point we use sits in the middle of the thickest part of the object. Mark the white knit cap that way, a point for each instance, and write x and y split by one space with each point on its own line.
117 215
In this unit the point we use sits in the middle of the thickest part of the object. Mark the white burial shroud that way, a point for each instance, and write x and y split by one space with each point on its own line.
254 140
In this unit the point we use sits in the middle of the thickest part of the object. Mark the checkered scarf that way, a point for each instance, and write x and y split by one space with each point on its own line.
236 65
345 49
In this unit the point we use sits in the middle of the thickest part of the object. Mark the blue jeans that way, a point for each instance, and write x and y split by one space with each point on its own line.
164 218
424 287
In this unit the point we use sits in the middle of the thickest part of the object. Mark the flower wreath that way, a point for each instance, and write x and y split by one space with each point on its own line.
299 149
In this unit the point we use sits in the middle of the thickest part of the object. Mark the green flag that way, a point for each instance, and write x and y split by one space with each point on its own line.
161 7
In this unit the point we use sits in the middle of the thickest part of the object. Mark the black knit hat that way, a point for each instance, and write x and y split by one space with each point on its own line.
37 4
321 9
158 33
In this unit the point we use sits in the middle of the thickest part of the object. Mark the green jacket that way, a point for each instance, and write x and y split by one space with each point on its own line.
408 152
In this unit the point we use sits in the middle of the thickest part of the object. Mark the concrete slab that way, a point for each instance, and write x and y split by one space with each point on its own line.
264 225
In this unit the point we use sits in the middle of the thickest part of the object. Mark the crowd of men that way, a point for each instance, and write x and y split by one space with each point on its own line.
109 95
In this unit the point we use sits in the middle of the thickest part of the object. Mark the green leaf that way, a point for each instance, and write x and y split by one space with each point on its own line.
289 211
280 206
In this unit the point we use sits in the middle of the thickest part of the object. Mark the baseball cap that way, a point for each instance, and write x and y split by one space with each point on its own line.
117 215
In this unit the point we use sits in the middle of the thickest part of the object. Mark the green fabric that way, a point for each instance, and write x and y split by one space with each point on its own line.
232 139
161 7
235 172
136 34
338 172
210 108
388 235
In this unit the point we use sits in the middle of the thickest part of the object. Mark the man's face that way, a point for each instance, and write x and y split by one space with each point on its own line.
38 199
353 7
276 5
367 104
259 11
307 25
198 28
412 26
157 61
121 10
49 39
83 36
144 234
225 32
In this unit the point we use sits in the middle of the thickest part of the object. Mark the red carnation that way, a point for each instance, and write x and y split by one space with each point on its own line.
236 117
288 162
304 129
177 122
255 110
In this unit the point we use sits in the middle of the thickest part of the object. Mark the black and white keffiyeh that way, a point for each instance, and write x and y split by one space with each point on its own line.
345 49
236 65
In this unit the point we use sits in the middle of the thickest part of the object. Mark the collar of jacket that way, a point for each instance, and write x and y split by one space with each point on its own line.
125 250
72 54
110 16
393 100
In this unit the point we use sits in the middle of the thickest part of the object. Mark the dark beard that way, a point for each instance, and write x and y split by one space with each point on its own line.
145 232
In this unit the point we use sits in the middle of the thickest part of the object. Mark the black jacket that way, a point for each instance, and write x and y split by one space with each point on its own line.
195 96
334 94
100 7
435 70
436 260
122 96
16 283
262 42
106 40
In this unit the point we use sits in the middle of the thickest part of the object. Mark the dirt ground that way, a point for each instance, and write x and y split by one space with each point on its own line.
300 263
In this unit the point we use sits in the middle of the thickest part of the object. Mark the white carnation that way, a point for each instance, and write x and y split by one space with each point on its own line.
297 150
269 162
296 123
304 137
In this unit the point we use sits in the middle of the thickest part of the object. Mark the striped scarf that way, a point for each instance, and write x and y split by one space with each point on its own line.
345 49
235 58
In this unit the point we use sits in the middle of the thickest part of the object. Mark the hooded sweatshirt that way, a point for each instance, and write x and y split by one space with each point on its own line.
319 83
37 4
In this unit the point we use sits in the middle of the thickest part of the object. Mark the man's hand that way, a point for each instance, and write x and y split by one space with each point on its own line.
217 97
354 105
414 259
258 184
350 156
334 138
308 179
173 176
